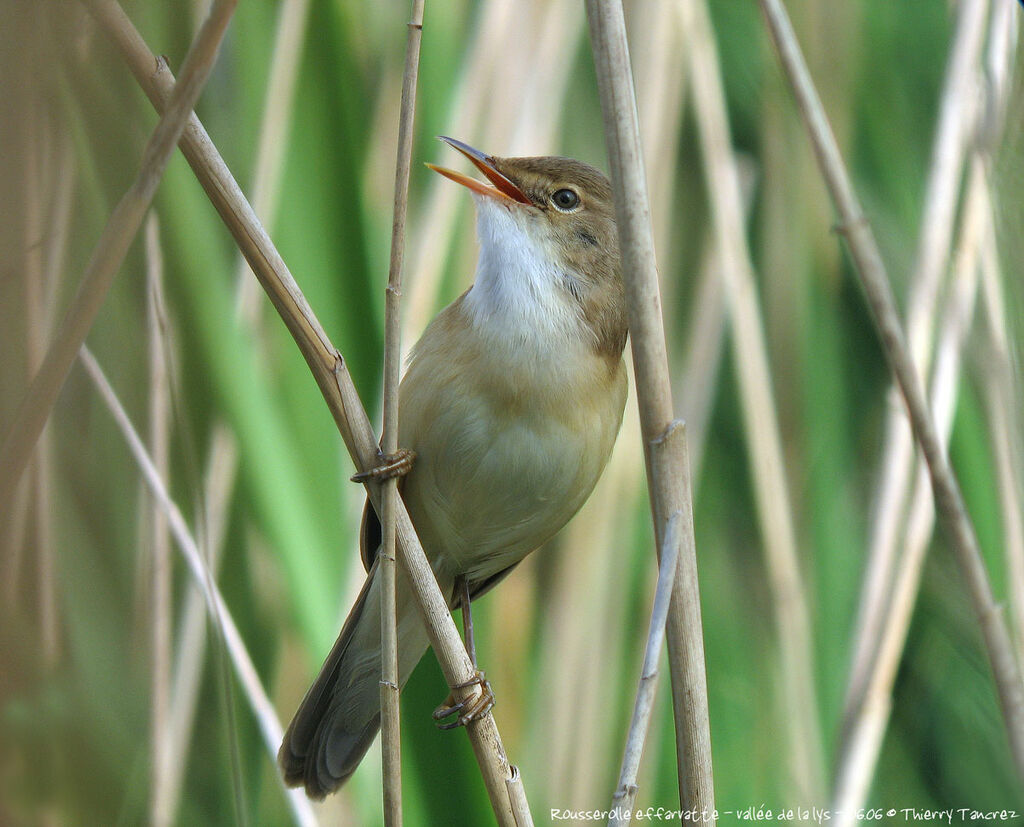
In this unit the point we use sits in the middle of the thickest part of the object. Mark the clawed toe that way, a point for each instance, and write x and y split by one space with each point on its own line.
468 710
393 465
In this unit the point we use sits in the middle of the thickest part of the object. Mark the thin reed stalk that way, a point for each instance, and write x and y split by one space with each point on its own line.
875 283
389 686
38 316
664 450
109 254
592 562
625 793
332 376
161 806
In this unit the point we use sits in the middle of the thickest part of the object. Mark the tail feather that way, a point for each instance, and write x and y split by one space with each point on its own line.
340 715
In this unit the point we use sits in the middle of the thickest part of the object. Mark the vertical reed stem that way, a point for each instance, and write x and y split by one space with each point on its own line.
669 487
389 684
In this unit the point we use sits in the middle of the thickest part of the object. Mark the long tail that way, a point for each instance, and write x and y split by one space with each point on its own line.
340 715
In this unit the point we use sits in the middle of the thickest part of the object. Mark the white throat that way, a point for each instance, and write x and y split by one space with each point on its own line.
519 294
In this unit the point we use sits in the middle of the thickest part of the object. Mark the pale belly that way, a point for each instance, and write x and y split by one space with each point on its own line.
494 481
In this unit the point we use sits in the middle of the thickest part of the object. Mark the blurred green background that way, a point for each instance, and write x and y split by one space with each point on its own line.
303 105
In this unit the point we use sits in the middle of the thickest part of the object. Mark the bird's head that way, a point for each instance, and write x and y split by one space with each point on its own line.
552 220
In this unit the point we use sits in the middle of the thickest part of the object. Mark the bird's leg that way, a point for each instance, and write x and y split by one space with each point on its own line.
477 705
397 464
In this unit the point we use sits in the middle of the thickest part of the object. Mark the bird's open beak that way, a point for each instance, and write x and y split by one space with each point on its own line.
503 187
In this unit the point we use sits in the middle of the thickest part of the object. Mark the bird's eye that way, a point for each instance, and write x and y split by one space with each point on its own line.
565 200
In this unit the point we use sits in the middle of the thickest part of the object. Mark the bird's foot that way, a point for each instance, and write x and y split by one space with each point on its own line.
469 709
393 465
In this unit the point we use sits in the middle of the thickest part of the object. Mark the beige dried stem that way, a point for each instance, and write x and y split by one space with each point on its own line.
667 481
875 283
389 687
643 707
108 255
574 732
775 516
156 540
38 326
335 383
248 678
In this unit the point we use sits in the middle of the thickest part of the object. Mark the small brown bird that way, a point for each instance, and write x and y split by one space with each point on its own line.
512 401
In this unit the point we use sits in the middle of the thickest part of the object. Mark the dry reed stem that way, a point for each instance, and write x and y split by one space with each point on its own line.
332 377
862 739
109 254
667 479
775 514
389 688
875 283
643 706
566 737
161 806
38 319
954 130
517 795
259 702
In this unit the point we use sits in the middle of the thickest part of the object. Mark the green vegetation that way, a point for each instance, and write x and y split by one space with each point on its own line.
562 639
